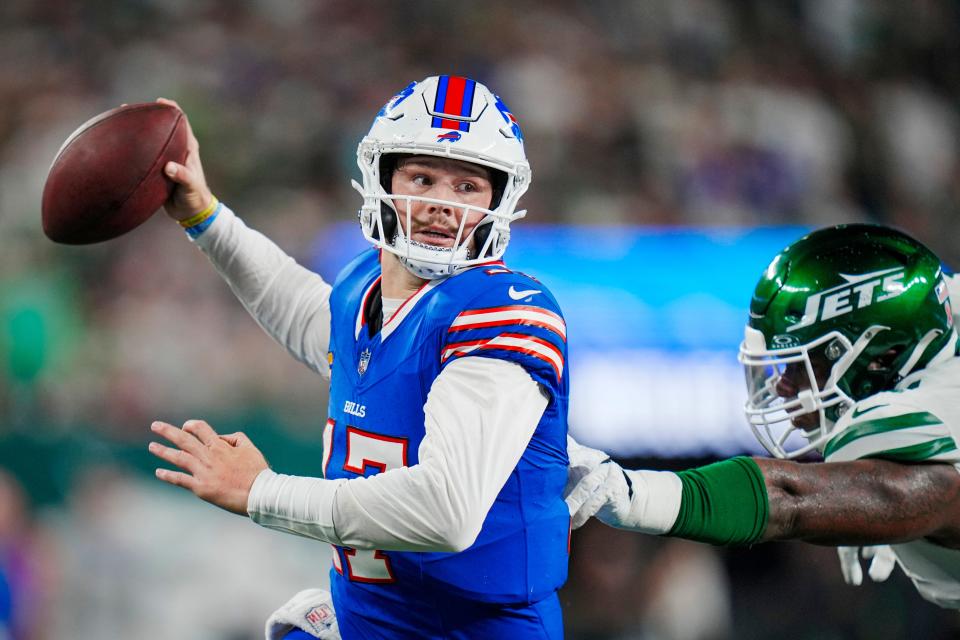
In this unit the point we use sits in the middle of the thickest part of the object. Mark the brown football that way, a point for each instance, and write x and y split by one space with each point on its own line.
108 176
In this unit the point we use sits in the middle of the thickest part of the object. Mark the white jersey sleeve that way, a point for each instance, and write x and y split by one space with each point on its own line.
290 302
480 415
892 431
917 423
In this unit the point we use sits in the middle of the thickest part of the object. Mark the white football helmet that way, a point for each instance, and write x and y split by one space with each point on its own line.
450 117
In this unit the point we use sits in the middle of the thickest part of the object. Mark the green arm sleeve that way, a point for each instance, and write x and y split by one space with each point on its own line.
724 503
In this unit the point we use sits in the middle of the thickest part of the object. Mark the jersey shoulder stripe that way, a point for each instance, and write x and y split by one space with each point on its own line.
502 316
878 426
517 342
510 316
923 452
911 437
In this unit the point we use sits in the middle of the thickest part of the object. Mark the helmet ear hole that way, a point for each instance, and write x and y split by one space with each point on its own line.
498 180
388 217
388 164
480 234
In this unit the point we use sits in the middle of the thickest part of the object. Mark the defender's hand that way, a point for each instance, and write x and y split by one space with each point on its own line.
882 562
603 493
582 461
191 195
218 469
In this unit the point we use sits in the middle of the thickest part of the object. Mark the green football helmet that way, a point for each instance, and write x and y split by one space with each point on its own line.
839 315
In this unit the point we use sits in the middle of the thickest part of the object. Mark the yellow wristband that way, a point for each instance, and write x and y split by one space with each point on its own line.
193 221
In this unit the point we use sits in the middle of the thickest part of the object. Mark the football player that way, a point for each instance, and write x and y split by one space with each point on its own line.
445 445
851 346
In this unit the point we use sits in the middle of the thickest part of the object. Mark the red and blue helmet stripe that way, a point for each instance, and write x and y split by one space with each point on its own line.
454 98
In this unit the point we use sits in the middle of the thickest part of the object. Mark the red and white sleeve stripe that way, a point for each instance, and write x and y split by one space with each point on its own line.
519 342
510 315
525 343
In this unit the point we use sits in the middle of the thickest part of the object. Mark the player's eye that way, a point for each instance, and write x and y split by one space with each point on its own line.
421 180
470 186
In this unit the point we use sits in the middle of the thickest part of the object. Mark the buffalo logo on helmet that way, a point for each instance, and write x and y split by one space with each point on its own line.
449 136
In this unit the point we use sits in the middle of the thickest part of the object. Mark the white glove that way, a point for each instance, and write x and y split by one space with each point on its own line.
310 610
583 460
603 493
881 565
644 501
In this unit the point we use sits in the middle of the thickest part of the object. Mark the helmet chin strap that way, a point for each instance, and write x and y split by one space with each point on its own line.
427 269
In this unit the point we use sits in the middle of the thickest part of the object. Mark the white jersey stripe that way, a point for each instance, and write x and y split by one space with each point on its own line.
391 323
529 345
512 307
502 316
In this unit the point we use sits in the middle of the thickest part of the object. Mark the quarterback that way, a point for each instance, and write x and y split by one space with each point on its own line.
850 351
445 444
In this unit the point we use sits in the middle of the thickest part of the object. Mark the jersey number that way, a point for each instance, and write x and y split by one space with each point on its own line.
366 450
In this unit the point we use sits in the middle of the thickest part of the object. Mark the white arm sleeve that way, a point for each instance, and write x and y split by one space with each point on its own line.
291 303
480 416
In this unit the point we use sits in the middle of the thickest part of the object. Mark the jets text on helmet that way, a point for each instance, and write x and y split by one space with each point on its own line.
858 292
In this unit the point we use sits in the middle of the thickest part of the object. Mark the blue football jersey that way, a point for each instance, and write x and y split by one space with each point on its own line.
379 384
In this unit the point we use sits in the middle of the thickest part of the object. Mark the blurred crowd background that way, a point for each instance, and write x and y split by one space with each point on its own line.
716 113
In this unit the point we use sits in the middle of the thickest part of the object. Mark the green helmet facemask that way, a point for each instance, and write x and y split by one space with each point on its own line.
839 315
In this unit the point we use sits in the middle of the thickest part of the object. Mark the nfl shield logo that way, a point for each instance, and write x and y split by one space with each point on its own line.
364 361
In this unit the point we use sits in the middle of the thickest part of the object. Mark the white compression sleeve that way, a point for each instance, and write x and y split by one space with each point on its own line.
480 416
655 504
291 303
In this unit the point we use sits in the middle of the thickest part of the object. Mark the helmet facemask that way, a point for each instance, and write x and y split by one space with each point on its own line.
783 385
382 211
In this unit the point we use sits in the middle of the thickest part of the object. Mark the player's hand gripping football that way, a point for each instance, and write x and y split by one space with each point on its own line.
192 195
218 469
